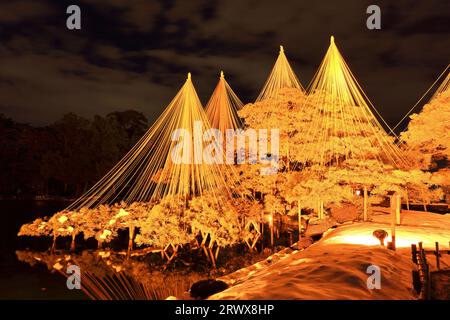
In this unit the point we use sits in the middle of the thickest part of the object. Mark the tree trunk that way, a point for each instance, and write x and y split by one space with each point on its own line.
271 229
365 204
130 241
217 252
99 244
53 244
72 243
288 159
278 227
213 259
262 223
322 211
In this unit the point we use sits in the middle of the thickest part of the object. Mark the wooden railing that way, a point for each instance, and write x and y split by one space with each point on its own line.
422 277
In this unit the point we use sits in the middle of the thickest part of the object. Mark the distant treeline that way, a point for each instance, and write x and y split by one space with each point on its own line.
66 157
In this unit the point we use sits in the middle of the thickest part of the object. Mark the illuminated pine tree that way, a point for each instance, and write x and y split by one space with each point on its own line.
428 134
427 143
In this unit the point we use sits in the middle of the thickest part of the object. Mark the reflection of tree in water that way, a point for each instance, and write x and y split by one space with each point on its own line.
109 276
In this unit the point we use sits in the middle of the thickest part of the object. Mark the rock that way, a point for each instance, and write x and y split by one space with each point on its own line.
345 212
205 288
304 243
318 227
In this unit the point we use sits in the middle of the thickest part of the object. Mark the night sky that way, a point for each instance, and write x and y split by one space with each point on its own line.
135 54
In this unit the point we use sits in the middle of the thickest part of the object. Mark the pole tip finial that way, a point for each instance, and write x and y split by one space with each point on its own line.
222 76
189 76
331 39
281 49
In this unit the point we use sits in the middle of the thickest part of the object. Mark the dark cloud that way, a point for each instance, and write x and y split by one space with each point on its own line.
135 54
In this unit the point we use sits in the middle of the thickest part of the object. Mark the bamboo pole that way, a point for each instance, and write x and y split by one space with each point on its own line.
299 224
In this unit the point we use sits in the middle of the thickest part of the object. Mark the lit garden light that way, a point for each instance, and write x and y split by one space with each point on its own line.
380 234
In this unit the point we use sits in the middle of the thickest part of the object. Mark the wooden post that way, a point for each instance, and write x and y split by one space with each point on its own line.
398 205
365 204
299 223
278 227
414 253
407 200
271 229
320 210
438 263
393 222
425 293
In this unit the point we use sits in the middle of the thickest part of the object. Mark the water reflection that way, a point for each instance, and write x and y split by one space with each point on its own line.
106 275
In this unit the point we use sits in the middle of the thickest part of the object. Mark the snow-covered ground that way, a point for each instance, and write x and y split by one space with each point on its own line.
335 267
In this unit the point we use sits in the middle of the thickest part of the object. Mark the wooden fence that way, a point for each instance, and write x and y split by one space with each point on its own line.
423 277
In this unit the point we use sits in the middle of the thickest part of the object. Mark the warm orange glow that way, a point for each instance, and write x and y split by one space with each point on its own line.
361 234
222 107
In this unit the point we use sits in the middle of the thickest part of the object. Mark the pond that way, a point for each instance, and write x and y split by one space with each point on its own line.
19 280
29 271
